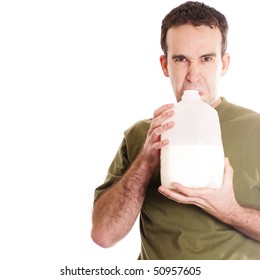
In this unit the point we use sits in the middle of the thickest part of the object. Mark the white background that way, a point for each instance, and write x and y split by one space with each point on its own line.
73 76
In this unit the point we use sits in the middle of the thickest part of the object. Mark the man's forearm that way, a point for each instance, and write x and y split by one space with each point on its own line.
247 221
115 212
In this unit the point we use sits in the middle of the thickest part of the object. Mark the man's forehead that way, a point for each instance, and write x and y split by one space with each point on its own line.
188 39
188 31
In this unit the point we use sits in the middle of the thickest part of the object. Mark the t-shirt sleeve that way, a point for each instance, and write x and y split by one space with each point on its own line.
116 170
132 143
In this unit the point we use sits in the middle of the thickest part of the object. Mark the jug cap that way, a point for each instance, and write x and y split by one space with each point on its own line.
191 94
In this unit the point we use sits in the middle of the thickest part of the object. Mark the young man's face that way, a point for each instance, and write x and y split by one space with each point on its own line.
194 61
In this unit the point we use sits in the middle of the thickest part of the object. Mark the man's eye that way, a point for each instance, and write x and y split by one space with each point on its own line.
180 59
207 59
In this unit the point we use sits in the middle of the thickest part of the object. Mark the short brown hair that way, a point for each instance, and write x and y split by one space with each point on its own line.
196 14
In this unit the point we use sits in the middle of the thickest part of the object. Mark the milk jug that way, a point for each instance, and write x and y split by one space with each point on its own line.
194 156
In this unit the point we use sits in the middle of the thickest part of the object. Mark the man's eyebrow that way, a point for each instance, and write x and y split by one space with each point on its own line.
178 56
202 56
209 54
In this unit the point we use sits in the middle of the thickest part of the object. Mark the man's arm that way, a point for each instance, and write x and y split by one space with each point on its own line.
116 210
247 221
220 203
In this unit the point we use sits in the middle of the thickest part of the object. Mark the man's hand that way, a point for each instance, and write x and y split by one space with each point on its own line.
153 143
220 203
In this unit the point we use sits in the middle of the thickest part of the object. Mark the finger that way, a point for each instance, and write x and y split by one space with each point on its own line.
191 192
158 119
162 109
171 194
228 172
161 119
156 133
160 144
228 167
180 197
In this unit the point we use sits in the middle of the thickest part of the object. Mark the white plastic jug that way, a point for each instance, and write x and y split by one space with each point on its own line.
194 156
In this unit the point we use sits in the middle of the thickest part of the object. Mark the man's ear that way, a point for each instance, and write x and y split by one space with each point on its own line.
164 65
225 63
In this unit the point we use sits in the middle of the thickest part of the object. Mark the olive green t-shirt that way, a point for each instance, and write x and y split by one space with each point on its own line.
170 230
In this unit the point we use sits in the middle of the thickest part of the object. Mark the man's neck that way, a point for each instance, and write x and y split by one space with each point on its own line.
216 102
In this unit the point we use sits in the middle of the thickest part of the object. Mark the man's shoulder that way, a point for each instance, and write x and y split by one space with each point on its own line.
136 134
139 127
230 111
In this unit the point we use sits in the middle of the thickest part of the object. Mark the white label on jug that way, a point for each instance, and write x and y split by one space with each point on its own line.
192 165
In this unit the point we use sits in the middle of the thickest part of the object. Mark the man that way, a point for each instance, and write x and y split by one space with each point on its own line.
185 223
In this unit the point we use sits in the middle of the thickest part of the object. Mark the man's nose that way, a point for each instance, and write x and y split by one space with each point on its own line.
193 74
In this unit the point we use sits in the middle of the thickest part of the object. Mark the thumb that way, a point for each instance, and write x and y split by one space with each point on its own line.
228 172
